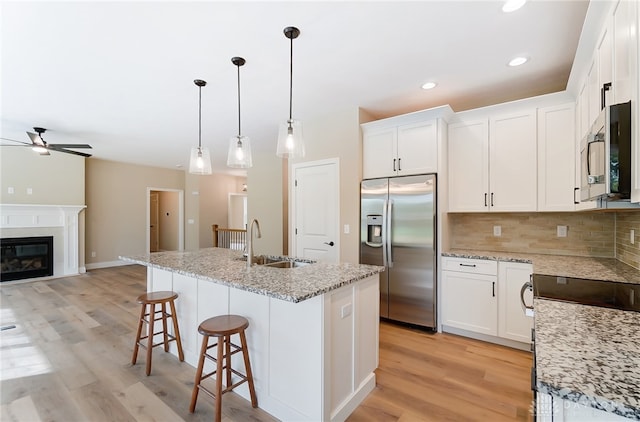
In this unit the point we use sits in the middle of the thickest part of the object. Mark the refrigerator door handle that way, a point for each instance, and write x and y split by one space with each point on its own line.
384 233
389 250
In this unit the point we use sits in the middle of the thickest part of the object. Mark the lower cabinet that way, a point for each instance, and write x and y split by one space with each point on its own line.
483 296
550 408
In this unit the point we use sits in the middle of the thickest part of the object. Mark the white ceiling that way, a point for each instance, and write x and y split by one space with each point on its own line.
119 75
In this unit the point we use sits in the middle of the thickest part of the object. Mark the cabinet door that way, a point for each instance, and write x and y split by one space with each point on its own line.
418 148
512 321
468 159
378 153
594 92
623 45
469 302
556 158
605 65
512 162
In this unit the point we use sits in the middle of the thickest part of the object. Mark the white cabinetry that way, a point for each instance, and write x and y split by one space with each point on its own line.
483 296
513 323
469 296
401 150
492 164
404 145
557 158
551 408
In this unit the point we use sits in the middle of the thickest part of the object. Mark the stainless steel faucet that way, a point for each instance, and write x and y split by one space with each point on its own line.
250 241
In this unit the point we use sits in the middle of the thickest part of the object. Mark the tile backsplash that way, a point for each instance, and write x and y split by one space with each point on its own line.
628 252
588 233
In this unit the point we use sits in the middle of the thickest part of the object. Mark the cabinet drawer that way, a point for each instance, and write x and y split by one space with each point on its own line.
466 265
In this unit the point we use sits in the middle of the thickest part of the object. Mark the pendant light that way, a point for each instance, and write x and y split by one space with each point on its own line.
239 155
200 161
290 140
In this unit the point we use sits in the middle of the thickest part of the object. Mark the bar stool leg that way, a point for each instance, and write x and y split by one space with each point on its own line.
196 389
247 365
136 346
227 345
165 334
176 331
152 313
220 348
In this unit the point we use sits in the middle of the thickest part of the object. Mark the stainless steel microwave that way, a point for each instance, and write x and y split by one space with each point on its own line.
605 156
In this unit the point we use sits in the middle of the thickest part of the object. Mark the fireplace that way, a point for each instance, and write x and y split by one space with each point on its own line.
26 257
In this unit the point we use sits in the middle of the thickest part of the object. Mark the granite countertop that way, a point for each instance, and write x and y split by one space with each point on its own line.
226 266
589 355
591 268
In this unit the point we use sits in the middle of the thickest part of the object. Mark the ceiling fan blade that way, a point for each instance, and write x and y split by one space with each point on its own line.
69 146
35 139
68 151
13 140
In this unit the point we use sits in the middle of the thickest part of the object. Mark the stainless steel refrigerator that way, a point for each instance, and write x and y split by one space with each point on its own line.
398 231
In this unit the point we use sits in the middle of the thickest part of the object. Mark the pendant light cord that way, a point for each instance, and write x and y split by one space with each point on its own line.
291 80
239 126
199 118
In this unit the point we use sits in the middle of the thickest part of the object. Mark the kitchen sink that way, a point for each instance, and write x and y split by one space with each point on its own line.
277 261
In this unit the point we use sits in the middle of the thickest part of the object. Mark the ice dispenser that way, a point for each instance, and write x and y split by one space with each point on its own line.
374 230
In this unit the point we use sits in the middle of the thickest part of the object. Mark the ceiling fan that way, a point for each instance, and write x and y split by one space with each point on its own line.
39 145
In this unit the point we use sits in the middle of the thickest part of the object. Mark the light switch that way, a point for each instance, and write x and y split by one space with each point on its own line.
10 190
29 191
347 229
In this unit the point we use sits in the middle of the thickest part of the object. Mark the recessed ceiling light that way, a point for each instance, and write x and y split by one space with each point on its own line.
518 61
429 85
512 5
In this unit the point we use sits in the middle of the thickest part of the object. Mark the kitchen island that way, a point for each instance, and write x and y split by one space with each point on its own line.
313 329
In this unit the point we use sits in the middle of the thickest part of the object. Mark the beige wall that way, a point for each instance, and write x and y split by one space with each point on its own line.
264 201
214 209
589 233
116 215
56 179
625 251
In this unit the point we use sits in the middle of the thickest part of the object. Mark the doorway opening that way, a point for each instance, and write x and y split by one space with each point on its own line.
165 220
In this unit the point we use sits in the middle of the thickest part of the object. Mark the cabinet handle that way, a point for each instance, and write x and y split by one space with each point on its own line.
394 164
485 199
603 90
491 198
493 289
399 169
468 265
574 196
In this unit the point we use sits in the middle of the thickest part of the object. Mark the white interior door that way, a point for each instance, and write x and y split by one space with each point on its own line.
316 210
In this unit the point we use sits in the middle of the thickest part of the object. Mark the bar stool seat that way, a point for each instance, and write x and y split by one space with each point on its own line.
223 327
152 299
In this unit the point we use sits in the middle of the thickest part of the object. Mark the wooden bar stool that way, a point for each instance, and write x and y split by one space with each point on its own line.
152 299
223 327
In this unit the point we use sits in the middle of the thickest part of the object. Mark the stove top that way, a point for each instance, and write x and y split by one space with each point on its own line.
607 294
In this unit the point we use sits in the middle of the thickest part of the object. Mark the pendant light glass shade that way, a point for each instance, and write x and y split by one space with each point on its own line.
290 138
200 159
239 155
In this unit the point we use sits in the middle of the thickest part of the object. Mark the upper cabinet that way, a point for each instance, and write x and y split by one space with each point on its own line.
557 183
403 145
492 164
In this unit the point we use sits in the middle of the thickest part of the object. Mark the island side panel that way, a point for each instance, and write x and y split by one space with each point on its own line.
186 304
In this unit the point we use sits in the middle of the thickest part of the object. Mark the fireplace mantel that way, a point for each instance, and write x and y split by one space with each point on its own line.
27 216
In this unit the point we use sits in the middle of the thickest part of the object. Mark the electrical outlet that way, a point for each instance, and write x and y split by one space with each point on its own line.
345 311
10 190
29 191
561 231
632 236
497 231
93 254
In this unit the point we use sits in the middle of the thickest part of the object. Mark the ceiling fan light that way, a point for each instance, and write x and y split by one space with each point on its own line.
239 155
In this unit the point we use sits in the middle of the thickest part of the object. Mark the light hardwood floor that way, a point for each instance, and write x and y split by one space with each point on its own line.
68 359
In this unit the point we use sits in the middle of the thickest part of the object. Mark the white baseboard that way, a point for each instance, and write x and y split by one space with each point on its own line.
97 265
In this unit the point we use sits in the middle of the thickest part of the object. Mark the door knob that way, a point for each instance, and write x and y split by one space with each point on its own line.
329 243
